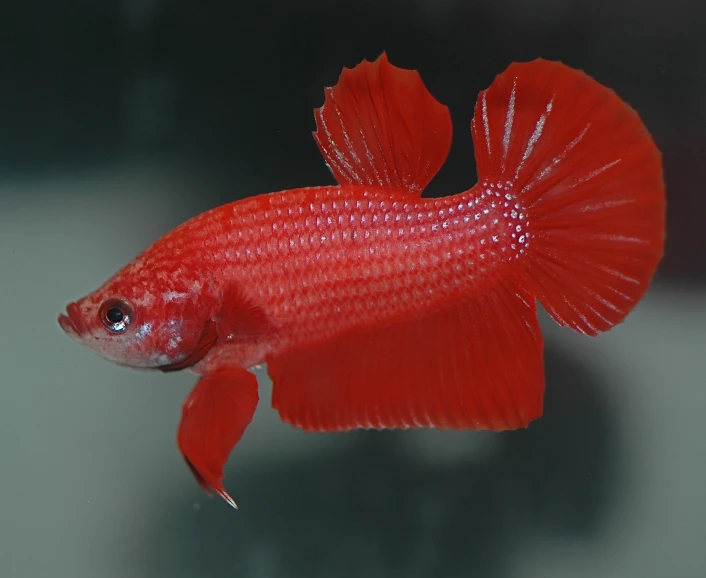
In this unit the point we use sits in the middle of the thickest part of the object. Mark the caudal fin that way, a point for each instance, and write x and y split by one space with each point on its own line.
580 161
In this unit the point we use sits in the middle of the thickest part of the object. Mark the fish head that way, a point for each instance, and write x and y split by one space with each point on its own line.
144 318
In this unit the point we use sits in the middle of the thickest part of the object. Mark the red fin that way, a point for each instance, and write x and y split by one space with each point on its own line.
214 417
208 338
583 164
380 126
238 317
475 365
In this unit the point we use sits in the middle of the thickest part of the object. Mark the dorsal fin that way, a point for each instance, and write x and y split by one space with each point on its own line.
380 126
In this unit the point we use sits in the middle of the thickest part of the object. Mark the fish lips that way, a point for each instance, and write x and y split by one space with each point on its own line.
72 322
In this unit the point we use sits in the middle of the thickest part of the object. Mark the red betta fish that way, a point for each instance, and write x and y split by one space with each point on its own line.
376 308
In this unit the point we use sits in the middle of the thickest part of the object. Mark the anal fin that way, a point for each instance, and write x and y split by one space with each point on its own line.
476 365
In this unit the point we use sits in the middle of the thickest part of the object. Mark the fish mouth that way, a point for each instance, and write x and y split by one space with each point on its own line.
71 322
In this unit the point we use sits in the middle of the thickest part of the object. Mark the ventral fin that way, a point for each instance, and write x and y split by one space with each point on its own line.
214 417
379 125
475 365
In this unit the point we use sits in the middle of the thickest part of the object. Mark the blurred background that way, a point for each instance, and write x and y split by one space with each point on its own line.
122 119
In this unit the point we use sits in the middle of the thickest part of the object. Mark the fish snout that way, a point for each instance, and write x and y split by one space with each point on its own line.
72 323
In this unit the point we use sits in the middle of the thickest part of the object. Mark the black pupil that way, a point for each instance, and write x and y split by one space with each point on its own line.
114 315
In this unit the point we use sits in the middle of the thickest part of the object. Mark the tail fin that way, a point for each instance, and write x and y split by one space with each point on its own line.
583 165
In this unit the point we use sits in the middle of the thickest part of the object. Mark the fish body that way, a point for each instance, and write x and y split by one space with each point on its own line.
374 307
321 261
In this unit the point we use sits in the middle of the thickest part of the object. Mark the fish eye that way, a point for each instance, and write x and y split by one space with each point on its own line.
116 315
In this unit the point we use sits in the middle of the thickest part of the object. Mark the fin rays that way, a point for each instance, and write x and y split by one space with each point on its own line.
590 175
475 365
380 126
